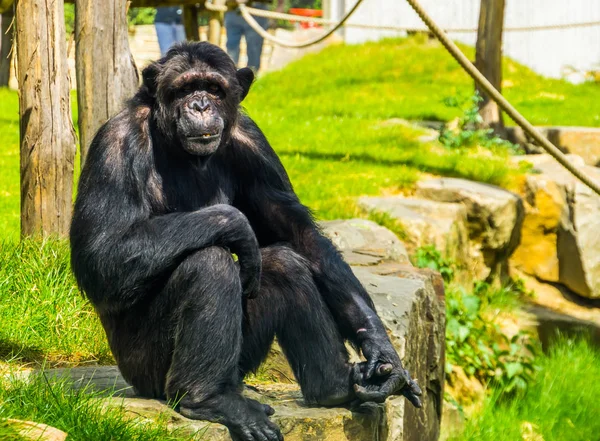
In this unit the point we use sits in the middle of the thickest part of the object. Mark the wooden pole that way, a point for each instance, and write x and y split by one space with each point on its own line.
488 59
214 28
6 45
190 23
47 135
215 23
106 72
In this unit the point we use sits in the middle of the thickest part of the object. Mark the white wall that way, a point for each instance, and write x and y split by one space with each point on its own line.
547 52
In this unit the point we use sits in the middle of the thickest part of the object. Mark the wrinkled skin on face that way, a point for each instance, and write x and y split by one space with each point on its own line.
196 98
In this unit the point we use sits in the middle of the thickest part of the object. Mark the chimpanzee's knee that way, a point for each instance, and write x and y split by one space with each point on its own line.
208 263
285 269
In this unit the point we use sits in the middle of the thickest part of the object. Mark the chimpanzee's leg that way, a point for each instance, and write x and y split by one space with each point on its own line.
196 321
290 306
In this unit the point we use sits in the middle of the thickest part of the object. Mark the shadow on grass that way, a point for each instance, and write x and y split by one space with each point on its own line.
10 350
448 171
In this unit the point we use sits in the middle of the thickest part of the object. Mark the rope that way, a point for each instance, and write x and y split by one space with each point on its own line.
210 5
258 28
584 24
324 21
500 100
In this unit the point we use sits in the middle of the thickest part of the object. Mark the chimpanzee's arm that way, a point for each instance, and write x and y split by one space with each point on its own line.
121 247
266 196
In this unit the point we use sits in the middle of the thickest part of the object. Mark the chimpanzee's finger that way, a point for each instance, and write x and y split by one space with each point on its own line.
412 384
268 409
371 367
379 393
414 399
412 391
365 395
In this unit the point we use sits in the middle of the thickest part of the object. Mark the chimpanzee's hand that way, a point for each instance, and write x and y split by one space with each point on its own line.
250 271
383 374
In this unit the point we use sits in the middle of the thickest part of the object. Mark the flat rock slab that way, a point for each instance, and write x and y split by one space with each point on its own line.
565 214
30 430
495 217
363 242
429 222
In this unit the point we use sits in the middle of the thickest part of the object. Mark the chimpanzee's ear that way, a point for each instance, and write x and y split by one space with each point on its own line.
245 77
149 75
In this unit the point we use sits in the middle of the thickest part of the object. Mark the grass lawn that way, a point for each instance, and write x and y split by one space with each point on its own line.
404 78
79 413
561 405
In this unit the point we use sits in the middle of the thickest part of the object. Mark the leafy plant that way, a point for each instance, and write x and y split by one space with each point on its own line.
465 131
429 256
481 349
141 16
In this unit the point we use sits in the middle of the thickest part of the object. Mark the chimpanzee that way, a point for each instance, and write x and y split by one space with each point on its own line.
191 244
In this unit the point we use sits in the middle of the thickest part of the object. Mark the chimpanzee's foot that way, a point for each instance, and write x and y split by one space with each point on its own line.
338 391
247 420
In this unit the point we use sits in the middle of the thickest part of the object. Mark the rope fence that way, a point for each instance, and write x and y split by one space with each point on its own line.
324 21
258 28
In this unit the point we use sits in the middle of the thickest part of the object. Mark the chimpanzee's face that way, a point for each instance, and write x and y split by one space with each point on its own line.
199 111
198 92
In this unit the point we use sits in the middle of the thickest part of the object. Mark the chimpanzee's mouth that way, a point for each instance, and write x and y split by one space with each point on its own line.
204 137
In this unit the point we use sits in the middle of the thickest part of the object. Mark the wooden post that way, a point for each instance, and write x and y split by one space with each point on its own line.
215 23
190 23
488 59
6 44
214 28
47 135
106 72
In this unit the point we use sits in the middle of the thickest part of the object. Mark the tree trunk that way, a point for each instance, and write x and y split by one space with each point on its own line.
106 72
6 40
47 135
190 22
488 59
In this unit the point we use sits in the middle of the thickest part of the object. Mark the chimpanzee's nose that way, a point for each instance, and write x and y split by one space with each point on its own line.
199 105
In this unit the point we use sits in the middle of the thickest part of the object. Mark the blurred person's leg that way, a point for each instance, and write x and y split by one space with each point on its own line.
179 32
164 33
234 26
254 42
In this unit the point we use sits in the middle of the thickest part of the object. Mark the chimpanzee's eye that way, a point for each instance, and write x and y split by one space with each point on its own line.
213 88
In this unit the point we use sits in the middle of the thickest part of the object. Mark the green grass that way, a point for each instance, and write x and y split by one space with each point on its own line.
79 413
9 163
45 320
561 404
404 78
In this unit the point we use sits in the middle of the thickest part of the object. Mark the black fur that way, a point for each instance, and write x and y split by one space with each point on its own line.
157 218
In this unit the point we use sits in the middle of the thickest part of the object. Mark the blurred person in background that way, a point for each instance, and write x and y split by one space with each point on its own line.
236 27
169 27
